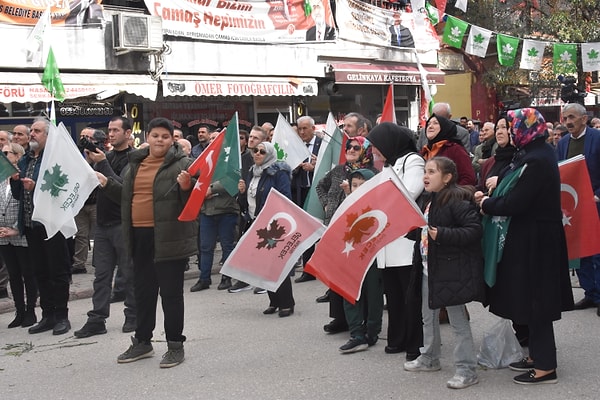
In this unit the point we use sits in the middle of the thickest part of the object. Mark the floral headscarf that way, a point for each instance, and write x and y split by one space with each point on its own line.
527 124
365 159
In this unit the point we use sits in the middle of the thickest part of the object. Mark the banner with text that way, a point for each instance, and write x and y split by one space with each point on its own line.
250 21
366 23
28 12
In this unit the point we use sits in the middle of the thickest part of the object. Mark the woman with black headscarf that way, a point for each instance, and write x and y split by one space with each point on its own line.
496 165
395 146
530 283
442 141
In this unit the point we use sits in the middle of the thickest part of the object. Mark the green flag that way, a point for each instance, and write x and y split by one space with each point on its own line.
229 163
328 157
454 32
507 49
307 8
6 168
432 13
565 58
495 229
51 78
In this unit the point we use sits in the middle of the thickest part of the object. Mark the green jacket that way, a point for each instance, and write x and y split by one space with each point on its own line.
173 239
220 202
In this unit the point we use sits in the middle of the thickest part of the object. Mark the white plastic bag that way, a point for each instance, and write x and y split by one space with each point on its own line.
499 346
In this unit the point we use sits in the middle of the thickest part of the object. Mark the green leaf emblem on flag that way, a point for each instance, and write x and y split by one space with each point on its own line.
532 52
478 38
281 154
54 182
454 32
507 49
593 54
565 58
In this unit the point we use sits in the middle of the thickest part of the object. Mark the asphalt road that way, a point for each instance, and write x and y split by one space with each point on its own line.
233 351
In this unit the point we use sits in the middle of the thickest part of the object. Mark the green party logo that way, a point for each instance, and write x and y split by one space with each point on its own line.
55 181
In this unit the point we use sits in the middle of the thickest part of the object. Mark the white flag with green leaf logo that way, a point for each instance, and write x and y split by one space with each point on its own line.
478 41
590 56
63 185
532 54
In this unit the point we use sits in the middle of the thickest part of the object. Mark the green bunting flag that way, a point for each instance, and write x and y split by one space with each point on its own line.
432 14
307 8
6 168
51 78
454 32
565 58
507 49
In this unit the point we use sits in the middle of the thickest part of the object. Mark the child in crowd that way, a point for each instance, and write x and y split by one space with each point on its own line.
448 253
364 331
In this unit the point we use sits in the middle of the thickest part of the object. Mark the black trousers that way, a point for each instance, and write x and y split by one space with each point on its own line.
405 323
21 275
150 278
542 346
336 306
52 268
283 297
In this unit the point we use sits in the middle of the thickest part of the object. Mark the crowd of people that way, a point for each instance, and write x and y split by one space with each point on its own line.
461 179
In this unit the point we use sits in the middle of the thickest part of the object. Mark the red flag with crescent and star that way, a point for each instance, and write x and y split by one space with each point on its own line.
580 214
205 165
267 252
377 213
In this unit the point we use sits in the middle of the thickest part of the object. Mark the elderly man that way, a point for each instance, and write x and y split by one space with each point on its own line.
269 130
21 136
49 256
584 140
356 124
595 123
487 146
4 138
186 146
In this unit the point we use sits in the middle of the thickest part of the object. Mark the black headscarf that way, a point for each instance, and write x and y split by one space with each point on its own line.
448 131
392 140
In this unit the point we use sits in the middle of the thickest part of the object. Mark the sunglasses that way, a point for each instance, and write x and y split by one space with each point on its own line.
261 151
355 148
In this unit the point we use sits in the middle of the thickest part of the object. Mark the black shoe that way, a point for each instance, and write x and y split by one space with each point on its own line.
305 277
529 378
129 325
44 325
286 312
75 271
225 283
200 285
117 298
372 339
584 303
239 287
393 350
412 356
90 329
19 316
61 327
324 298
30 317
335 326
521 366
270 310
3 293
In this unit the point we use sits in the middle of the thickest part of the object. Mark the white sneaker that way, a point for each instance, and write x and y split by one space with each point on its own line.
418 366
461 382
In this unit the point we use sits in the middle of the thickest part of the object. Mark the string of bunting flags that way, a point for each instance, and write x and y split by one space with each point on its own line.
532 53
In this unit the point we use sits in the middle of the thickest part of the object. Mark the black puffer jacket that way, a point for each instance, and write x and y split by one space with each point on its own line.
455 259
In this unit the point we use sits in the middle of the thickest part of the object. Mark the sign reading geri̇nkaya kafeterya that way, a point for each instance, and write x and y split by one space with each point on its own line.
246 21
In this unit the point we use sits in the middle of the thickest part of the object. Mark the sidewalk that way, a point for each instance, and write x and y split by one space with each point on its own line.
82 285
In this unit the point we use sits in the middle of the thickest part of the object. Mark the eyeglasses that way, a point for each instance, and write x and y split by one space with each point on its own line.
261 151
355 148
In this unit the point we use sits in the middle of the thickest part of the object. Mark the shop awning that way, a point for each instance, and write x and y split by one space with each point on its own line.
380 74
221 85
23 87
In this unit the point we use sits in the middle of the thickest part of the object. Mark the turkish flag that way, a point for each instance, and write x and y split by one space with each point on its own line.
205 164
279 235
389 111
377 213
580 214
441 6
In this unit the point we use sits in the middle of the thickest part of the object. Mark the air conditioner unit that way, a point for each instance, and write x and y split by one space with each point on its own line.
137 32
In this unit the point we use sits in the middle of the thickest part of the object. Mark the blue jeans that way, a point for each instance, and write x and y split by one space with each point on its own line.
465 359
213 226
589 277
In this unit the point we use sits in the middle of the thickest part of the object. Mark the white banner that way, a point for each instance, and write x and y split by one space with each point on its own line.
258 21
362 22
